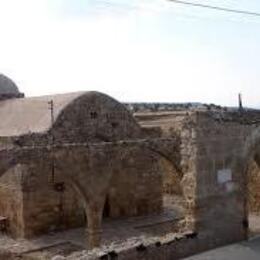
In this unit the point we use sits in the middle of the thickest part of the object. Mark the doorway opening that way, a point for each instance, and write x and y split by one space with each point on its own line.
106 211
173 197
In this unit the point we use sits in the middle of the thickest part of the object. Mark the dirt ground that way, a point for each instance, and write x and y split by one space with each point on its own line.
246 250
114 232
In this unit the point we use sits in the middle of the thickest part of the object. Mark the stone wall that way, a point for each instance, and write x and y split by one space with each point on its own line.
11 205
253 191
129 172
171 179
171 247
136 188
100 150
92 118
214 163
50 203
221 176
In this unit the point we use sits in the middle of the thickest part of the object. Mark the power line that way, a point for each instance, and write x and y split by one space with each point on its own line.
131 7
104 4
218 8
128 7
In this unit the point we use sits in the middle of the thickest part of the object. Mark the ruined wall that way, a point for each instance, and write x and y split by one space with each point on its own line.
162 124
92 118
221 176
171 179
253 191
178 161
166 125
11 205
49 202
136 180
136 187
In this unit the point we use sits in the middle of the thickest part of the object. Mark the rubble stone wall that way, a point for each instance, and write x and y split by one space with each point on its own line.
98 148
221 201
253 191
11 201
50 203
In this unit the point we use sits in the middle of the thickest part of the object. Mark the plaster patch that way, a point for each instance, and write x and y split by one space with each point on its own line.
224 176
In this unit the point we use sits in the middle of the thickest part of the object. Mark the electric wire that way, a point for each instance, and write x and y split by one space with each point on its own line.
218 8
187 3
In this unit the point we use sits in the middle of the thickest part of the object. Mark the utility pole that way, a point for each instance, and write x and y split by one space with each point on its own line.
240 103
51 108
58 187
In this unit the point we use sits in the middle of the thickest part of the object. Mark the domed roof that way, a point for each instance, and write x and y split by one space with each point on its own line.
7 86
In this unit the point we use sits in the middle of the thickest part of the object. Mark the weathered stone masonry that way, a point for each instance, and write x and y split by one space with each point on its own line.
93 160
92 164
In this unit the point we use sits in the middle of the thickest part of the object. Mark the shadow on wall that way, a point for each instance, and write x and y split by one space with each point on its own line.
173 196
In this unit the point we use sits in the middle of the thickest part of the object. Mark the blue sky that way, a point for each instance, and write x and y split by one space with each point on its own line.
134 50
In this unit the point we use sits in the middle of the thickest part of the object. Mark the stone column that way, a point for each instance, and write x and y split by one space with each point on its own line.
94 230
189 193
94 238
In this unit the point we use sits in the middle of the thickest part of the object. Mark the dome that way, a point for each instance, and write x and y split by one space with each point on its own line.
7 86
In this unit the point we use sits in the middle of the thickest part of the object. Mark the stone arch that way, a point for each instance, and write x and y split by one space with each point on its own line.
37 157
93 216
250 178
251 151
90 179
251 144
172 178
174 199
51 199
11 206
175 162
169 152
172 163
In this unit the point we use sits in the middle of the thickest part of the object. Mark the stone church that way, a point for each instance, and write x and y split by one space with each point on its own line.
78 159
39 197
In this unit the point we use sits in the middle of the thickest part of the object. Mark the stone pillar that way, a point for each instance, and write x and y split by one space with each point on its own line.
94 230
189 193
94 238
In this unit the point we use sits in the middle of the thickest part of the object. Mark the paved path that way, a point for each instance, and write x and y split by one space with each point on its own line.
248 250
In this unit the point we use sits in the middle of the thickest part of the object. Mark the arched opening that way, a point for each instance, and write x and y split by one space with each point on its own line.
251 180
51 204
173 196
253 196
11 207
106 210
69 206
